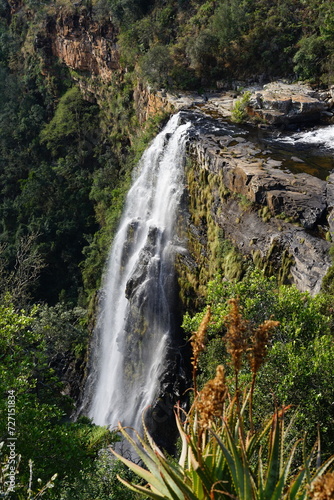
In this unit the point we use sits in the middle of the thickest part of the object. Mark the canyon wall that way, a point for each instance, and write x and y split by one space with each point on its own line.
273 218
278 220
81 42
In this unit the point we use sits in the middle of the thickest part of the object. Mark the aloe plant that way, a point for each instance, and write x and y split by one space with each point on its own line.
222 455
218 463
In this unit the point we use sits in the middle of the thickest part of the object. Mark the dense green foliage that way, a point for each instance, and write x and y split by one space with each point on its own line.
298 369
30 383
100 481
197 43
65 167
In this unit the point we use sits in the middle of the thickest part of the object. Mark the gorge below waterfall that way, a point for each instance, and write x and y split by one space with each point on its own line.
107 266
136 323
136 370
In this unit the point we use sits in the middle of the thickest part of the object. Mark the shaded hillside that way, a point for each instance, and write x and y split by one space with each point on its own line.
77 108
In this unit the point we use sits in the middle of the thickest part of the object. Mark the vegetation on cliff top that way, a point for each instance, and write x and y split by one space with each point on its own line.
193 44
65 166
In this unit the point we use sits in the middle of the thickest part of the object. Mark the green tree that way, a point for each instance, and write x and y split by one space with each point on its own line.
42 430
156 65
309 57
292 373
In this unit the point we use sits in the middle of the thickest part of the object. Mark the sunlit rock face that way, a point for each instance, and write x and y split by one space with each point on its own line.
280 103
81 42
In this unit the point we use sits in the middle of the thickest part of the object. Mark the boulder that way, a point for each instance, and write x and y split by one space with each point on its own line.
279 103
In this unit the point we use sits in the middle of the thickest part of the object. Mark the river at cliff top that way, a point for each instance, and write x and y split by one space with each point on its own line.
323 137
308 151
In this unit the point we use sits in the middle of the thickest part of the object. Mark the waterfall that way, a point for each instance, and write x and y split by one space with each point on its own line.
135 323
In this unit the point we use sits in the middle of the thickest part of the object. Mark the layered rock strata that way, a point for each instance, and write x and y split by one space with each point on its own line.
276 218
279 103
80 42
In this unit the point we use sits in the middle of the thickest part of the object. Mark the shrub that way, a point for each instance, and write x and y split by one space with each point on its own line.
239 110
155 65
223 456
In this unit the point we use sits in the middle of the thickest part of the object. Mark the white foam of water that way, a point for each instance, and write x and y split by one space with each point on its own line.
323 136
125 373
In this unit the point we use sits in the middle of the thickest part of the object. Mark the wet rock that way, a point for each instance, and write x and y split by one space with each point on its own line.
132 233
283 208
148 269
330 204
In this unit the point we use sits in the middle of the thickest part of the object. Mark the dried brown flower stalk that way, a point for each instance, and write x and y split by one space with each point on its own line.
237 334
256 356
241 339
259 342
323 487
210 401
197 342
237 344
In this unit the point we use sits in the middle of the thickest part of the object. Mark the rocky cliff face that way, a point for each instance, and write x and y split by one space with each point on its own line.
148 104
80 42
274 218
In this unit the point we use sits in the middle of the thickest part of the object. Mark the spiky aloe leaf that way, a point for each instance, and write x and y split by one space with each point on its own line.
141 489
277 493
201 478
155 481
173 479
253 443
144 452
322 469
188 490
175 493
295 487
238 467
184 450
274 462
152 460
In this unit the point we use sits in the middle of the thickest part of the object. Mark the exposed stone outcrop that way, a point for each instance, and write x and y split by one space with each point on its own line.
148 103
276 104
80 42
280 103
272 216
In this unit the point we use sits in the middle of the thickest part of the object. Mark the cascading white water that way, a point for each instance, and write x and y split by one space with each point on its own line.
135 319
322 137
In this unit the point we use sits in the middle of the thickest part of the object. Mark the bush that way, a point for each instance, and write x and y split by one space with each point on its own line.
301 344
156 65
239 110
223 455
309 57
